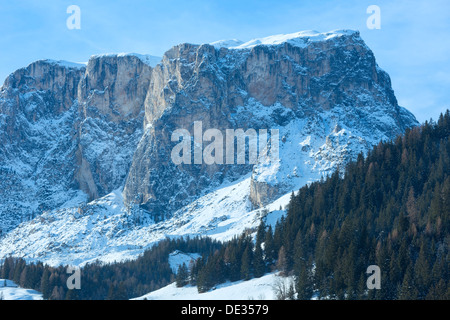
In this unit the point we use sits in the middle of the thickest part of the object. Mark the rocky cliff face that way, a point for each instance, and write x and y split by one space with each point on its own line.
111 98
37 144
68 132
305 85
73 133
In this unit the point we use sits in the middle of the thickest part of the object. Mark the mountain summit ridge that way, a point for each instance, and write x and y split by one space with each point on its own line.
301 38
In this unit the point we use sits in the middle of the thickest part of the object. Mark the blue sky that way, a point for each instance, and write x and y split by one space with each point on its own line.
413 44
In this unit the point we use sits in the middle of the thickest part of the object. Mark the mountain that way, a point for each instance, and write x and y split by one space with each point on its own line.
86 150
387 211
68 132
324 91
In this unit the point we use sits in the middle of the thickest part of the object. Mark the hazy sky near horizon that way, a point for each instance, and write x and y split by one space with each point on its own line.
413 44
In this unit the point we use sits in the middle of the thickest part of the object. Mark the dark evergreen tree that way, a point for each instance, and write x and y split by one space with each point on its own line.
259 265
182 278
246 263
45 288
269 248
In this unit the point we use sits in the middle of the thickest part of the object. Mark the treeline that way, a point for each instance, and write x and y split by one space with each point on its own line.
391 210
114 281
238 259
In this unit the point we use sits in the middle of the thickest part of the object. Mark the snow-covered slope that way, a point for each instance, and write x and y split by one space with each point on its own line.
178 258
11 291
106 230
254 289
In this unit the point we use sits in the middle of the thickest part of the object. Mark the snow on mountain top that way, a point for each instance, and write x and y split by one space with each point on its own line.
66 64
299 39
149 60
227 43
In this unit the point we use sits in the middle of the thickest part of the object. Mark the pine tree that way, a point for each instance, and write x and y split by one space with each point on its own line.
5 268
45 285
304 282
57 293
281 261
269 247
111 292
261 232
408 290
182 278
439 291
291 291
258 262
246 264
24 281
121 293
422 272
72 295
